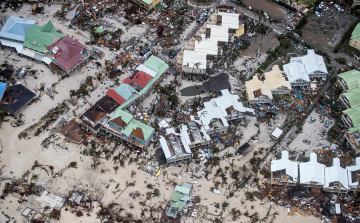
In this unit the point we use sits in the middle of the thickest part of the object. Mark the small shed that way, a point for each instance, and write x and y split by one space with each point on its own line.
276 134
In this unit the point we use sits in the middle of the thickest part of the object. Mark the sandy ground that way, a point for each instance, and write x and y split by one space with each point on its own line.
312 133
19 155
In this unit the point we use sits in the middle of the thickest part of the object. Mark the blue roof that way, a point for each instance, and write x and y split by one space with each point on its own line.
126 91
15 28
2 89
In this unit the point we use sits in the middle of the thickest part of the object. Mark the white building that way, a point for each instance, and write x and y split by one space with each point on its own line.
194 62
175 146
284 171
296 74
314 64
312 173
301 69
194 135
354 175
336 178
208 46
218 33
218 111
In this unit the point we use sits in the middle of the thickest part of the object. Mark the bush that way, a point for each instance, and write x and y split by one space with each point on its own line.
341 60
302 23
337 48
283 4
348 33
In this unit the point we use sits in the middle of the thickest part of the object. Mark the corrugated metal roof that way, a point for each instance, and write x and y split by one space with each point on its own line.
354 115
114 95
356 32
69 51
351 78
125 91
156 64
336 173
353 96
182 190
38 38
125 116
134 124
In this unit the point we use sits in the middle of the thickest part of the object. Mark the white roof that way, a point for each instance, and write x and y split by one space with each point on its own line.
351 169
277 133
18 46
312 171
230 20
291 167
165 147
219 33
216 108
208 46
163 124
312 62
184 132
191 58
46 60
147 70
295 71
335 173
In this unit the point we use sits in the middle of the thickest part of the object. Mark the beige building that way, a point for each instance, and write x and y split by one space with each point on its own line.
262 92
146 4
355 37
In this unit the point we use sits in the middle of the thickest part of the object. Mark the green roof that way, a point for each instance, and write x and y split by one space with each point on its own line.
176 196
356 32
354 115
147 1
38 38
99 30
134 124
351 78
125 116
355 129
353 96
159 6
183 190
179 204
156 64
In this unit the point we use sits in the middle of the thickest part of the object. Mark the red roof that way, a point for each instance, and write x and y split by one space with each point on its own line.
142 78
112 94
127 81
70 52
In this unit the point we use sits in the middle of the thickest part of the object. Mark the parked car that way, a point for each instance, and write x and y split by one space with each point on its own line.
289 28
266 15
290 16
312 120
317 14
194 13
330 3
337 7
327 123
333 199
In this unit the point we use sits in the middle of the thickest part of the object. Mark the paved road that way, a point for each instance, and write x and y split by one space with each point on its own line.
279 28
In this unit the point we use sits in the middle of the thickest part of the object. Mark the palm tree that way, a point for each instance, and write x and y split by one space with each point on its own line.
195 65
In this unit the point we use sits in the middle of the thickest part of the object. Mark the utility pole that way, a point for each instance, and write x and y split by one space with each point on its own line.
1 143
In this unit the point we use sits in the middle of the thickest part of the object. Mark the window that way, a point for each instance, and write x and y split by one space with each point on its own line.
141 141
119 128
